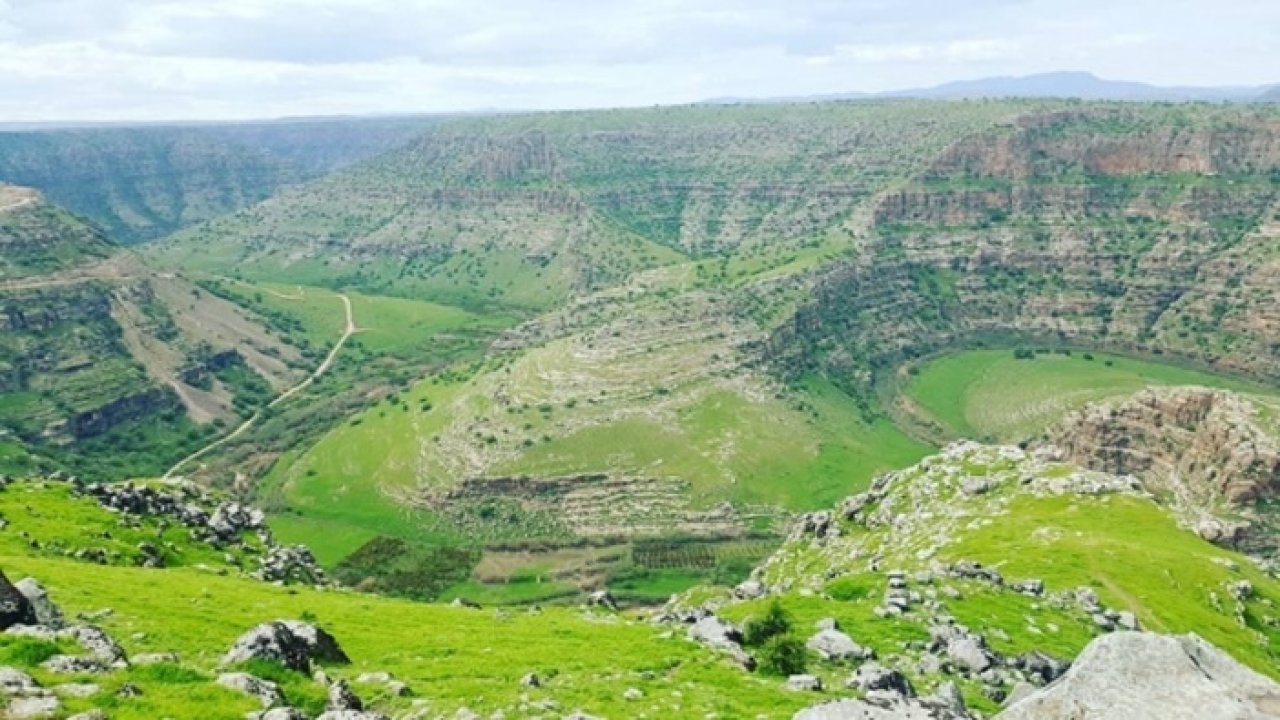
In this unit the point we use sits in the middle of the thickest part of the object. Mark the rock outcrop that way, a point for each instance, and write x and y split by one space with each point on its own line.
287 642
1206 451
1142 676
15 608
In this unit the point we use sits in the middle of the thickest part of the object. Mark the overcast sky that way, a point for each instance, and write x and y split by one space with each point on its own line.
176 59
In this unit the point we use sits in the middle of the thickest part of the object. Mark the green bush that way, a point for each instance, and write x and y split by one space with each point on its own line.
776 622
783 655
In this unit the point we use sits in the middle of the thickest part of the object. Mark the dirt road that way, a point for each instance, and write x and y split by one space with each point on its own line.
347 332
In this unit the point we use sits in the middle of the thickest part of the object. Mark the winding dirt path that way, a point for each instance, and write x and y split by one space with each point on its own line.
347 332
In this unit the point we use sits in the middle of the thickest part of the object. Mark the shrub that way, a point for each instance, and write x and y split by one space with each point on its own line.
776 622
783 655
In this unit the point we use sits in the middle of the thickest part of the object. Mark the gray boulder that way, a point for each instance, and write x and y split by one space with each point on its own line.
15 608
835 646
282 713
1142 676
292 644
37 632
164 658
321 646
968 652
16 682
46 612
30 708
714 632
1041 667
603 599
804 683
267 692
873 676
341 697
352 715
77 690
98 644
878 707
750 590
73 665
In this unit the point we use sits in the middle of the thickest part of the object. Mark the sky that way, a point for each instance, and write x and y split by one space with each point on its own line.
115 60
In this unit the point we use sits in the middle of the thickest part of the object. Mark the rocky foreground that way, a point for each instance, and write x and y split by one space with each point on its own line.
983 582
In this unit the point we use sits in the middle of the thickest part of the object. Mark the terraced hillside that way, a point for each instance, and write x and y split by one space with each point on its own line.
107 367
1145 229
525 211
145 182
634 363
718 302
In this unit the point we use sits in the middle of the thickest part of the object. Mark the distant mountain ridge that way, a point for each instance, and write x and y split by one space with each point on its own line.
1065 84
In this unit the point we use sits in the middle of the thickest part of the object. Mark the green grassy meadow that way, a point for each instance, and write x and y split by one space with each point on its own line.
991 395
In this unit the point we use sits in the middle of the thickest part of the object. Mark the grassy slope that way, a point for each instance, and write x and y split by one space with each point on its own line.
1127 548
453 656
991 394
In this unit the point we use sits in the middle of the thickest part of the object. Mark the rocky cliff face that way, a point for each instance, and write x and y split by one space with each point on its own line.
1138 228
141 183
1211 453
93 341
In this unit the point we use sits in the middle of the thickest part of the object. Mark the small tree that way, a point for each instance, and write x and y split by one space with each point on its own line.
776 622
783 655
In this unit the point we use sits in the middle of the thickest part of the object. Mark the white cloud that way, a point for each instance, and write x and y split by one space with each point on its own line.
148 59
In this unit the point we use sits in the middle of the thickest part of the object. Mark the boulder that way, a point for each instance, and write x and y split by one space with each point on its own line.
321 646
38 632
352 715
99 645
267 692
46 612
30 708
282 713
77 690
342 698
166 658
750 590
16 682
292 644
873 676
73 665
714 632
879 707
835 646
946 697
968 652
15 608
1041 667
603 599
1143 676
804 683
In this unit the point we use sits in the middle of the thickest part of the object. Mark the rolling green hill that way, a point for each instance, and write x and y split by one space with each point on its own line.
716 301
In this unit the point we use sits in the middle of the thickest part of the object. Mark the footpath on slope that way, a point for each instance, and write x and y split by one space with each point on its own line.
347 332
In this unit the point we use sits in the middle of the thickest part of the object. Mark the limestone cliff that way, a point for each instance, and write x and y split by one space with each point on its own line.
1212 454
